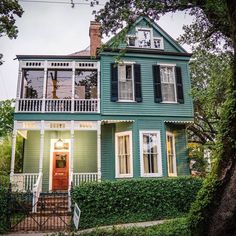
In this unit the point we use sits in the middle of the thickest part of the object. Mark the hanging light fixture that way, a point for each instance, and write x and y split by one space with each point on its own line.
59 144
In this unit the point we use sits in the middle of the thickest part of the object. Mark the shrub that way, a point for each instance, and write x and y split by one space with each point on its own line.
134 200
3 208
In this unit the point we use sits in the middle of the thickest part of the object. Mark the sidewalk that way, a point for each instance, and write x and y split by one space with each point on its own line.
81 232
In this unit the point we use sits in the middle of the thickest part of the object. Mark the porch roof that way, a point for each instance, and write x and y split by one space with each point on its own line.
116 121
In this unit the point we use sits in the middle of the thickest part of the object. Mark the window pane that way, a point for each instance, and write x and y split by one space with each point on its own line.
170 154
85 84
168 92
124 154
144 38
126 82
150 154
131 41
32 83
59 84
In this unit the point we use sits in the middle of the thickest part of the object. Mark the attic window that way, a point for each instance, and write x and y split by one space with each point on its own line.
144 39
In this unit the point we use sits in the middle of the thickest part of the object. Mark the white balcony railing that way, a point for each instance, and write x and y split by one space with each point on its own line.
57 105
79 178
24 182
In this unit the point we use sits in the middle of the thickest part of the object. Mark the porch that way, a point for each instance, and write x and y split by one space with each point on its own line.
50 146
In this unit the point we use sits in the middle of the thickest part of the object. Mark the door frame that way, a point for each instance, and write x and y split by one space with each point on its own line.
52 150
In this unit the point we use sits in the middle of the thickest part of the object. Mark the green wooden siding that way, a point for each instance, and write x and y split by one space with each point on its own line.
108 145
85 151
31 152
147 107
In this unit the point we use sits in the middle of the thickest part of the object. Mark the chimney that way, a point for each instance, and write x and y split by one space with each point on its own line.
95 37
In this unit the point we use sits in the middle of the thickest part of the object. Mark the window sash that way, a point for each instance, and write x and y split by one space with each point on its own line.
124 154
168 87
125 82
171 158
150 154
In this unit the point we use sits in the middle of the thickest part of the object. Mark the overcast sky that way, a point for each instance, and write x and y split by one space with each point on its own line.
47 28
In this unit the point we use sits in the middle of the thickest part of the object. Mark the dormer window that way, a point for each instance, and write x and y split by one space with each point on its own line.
144 39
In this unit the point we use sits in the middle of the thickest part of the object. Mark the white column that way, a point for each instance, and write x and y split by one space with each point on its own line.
19 85
44 85
99 150
71 152
73 87
98 85
13 149
41 154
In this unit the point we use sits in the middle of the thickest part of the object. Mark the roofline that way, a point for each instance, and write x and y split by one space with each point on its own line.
147 51
20 57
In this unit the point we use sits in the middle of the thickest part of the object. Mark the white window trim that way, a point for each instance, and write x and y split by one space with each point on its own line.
175 89
132 64
159 160
116 155
174 153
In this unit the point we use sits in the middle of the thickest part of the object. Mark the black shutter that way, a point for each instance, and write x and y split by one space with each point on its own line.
157 83
179 85
137 83
114 82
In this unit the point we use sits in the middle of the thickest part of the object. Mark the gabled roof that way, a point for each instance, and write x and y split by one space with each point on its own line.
162 32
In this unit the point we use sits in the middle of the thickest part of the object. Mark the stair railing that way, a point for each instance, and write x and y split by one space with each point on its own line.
37 189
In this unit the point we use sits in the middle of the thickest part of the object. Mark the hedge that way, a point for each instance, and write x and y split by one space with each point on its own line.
124 201
4 184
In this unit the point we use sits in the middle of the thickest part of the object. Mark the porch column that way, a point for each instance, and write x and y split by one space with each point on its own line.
71 152
99 150
13 151
19 86
73 88
41 154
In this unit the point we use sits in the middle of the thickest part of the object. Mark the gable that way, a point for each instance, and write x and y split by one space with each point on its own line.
146 34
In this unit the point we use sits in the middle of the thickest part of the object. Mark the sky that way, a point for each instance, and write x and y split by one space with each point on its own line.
58 29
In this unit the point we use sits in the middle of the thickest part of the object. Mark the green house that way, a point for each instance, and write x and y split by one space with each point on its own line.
89 116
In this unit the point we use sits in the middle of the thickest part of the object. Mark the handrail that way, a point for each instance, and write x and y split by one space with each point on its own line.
37 189
79 178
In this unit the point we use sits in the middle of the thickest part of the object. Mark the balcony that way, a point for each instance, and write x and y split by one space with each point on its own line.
58 105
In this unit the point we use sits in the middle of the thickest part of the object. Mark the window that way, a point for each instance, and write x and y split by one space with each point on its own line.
126 82
86 84
168 83
144 38
32 86
150 154
171 158
123 144
59 84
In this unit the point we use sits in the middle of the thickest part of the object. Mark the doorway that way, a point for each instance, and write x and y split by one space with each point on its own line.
60 171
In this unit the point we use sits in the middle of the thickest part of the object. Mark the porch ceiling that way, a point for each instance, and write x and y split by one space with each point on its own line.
116 121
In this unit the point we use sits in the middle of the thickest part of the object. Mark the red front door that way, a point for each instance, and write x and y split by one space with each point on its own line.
60 171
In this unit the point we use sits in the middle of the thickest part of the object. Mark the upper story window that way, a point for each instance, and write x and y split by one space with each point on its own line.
32 85
168 86
144 38
168 83
86 84
126 82
59 84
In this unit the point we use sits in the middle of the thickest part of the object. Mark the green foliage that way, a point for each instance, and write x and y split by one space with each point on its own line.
6 117
9 9
108 203
4 183
5 154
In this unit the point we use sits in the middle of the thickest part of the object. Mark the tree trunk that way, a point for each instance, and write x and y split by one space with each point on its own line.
222 211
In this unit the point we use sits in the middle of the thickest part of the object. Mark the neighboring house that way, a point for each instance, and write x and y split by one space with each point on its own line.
89 118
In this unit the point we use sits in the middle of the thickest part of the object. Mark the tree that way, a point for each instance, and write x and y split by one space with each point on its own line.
9 10
214 211
6 117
